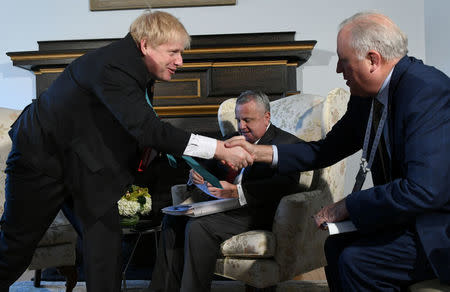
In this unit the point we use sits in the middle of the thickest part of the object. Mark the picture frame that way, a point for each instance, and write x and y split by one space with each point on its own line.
98 5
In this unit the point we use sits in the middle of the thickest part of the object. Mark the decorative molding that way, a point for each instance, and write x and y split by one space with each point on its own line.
249 63
252 49
187 110
196 80
96 5
48 70
36 57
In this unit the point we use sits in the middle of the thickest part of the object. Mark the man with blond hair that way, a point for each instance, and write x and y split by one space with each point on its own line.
399 115
85 138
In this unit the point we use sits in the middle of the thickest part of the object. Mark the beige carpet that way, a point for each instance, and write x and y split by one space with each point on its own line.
24 284
140 286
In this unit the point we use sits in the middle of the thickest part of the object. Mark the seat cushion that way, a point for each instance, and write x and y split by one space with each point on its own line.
54 256
251 244
60 231
258 273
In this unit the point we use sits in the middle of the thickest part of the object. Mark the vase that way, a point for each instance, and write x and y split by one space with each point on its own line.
128 221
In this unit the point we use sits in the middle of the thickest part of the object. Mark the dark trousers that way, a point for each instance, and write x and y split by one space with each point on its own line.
388 261
189 247
32 202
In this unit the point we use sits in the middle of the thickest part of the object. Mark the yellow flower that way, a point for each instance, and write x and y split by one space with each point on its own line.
135 201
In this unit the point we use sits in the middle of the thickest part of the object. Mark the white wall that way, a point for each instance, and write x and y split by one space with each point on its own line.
24 22
437 36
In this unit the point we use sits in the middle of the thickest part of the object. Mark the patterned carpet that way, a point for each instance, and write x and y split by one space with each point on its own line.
141 286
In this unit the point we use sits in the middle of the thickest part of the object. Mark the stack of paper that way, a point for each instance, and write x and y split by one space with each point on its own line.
341 227
203 208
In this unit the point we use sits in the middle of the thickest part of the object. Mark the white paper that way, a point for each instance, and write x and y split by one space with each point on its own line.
341 227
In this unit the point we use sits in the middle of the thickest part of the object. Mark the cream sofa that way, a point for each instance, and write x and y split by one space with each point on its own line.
57 247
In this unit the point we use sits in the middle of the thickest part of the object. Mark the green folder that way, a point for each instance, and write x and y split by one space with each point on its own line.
209 177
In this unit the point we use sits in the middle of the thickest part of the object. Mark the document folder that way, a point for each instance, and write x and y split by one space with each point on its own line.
203 208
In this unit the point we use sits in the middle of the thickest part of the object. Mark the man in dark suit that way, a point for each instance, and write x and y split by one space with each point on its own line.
404 220
189 247
82 140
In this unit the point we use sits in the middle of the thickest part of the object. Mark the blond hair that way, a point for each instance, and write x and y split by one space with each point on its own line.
159 28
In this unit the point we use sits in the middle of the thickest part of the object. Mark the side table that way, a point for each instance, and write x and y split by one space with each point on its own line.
142 230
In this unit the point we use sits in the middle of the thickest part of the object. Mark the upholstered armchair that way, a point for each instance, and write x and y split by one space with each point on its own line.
57 247
294 246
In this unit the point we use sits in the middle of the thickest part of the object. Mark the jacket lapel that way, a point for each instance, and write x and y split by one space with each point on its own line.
268 136
394 130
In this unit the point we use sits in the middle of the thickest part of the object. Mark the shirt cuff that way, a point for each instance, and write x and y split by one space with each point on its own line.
201 146
242 199
274 157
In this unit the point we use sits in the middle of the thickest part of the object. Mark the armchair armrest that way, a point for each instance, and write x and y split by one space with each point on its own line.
179 194
299 244
250 244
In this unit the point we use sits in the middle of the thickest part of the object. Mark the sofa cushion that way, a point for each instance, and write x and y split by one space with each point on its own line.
60 231
226 117
53 256
429 286
7 118
299 114
252 244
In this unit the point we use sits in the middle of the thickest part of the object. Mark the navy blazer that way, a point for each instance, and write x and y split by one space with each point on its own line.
90 126
417 192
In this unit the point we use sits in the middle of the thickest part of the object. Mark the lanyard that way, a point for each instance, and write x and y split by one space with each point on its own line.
367 164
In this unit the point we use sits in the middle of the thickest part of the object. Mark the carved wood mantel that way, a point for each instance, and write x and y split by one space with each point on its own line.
216 67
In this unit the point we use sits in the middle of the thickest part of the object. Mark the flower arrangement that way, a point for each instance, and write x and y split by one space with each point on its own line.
136 201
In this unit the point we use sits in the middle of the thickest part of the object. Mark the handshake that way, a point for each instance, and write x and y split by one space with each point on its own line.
237 153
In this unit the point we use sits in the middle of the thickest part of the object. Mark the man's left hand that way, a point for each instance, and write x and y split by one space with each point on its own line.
228 191
332 213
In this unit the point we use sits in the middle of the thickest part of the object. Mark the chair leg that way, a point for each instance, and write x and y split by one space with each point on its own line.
249 288
37 278
71 275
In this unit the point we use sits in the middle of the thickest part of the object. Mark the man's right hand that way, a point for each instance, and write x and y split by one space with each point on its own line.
260 153
236 157
332 213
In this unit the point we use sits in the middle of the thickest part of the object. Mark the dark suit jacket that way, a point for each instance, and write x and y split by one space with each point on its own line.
417 192
90 126
263 186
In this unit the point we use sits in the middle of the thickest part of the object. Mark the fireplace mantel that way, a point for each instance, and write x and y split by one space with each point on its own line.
216 67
